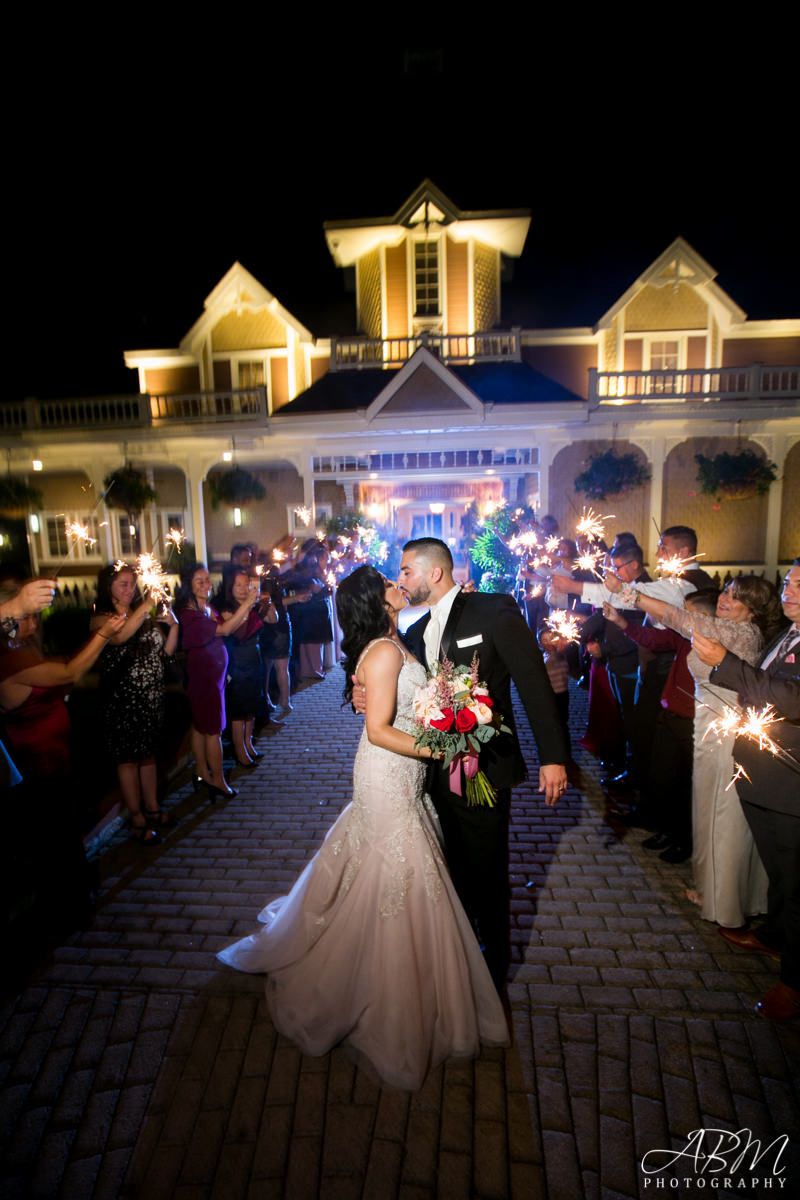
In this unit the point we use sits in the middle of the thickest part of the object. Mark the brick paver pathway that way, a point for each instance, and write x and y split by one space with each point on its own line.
134 1067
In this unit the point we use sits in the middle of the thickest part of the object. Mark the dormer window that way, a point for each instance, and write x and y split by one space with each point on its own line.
427 293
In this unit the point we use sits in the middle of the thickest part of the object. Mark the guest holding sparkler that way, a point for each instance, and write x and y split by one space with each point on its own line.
36 730
311 618
203 632
244 692
276 637
132 693
730 881
769 789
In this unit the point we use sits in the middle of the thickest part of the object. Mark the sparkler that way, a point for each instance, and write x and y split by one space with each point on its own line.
80 533
739 773
674 567
591 525
564 624
590 561
176 537
304 514
153 578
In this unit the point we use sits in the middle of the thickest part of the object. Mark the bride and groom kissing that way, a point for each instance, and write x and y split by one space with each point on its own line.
376 944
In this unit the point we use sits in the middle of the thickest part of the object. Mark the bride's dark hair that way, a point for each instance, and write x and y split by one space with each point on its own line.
361 606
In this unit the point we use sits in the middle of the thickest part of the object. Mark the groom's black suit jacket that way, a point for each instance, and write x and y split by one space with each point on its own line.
493 626
770 781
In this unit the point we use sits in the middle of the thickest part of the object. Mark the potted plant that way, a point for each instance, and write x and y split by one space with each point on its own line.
735 476
609 473
17 497
128 489
235 487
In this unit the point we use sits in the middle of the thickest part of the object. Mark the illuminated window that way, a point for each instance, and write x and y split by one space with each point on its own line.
426 279
56 536
664 356
251 374
127 541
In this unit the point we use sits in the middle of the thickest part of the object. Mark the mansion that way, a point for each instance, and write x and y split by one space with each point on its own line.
431 407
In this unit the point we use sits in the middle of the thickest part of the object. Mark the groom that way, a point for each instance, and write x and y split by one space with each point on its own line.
459 625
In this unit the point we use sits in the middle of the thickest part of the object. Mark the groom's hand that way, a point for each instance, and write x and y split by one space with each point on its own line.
359 696
553 782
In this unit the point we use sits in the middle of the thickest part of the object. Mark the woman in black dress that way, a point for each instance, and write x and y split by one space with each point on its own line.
311 615
132 693
244 683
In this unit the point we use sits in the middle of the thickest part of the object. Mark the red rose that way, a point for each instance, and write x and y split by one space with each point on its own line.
466 720
445 721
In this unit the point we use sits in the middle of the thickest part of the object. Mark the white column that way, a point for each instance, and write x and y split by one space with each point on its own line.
658 454
97 472
195 473
774 507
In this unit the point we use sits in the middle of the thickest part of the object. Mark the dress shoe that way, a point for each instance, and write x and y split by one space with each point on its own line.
745 939
780 1003
676 854
658 841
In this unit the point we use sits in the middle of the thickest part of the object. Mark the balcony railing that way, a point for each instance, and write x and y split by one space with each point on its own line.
754 382
358 353
135 412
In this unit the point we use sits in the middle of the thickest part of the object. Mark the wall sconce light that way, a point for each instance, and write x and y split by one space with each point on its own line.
237 516
34 523
227 456
132 530
37 464
437 508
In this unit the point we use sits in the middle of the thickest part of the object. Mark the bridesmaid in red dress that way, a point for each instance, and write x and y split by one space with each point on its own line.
202 633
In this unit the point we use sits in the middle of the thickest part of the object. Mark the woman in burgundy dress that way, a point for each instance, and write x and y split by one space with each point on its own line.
202 634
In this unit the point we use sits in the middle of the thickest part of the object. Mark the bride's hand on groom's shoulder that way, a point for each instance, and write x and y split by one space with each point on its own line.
359 697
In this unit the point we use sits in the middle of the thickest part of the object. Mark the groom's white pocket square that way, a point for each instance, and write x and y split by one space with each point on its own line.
473 641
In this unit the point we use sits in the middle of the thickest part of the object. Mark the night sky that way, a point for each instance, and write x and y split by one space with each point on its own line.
139 178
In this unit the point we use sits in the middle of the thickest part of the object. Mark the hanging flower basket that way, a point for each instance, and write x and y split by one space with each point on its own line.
17 498
735 476
236 488
128 489
610 473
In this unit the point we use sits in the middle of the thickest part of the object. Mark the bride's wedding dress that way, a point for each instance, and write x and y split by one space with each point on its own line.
372 947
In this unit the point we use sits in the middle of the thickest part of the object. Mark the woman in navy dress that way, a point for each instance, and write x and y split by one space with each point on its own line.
202 634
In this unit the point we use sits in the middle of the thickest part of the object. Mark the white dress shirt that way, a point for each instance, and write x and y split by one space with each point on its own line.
440 611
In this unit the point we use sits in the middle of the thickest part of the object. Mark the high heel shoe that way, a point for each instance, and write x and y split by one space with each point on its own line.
256 754
249 762
142 833
215 793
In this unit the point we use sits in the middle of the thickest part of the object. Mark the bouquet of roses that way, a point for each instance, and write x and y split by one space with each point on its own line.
456 716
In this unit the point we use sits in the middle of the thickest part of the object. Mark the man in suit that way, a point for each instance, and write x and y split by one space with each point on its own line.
458 625
770 794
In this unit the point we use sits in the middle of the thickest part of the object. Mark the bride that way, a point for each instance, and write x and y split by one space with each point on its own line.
372 947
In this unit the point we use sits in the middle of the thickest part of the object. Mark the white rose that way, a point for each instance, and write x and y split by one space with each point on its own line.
483 713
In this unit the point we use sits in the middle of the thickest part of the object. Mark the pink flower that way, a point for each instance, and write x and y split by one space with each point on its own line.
482 711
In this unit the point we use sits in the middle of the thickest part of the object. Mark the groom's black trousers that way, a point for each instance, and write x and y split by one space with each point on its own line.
476 848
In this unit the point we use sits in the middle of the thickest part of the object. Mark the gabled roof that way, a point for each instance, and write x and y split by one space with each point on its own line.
238 290
680 263
505 229
426 385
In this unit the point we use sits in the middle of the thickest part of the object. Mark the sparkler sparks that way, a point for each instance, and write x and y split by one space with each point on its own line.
304 514
153 578
590 561
739 773
176 537
591 525
675 567
79 533
564 624
753 723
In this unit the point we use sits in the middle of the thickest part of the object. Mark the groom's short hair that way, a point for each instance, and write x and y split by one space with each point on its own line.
433 550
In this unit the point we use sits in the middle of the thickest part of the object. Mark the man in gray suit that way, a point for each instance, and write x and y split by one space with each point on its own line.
770 794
